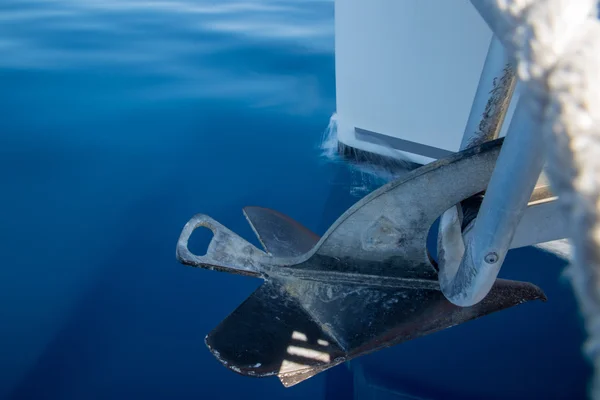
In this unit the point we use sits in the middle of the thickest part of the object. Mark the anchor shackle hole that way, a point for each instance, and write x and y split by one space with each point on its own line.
200 240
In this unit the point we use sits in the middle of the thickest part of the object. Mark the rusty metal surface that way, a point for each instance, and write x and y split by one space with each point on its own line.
368 283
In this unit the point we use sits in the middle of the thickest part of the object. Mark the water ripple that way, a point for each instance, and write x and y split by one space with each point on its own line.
194 46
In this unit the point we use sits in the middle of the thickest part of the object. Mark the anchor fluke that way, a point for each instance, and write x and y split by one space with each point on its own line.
279 234
295 329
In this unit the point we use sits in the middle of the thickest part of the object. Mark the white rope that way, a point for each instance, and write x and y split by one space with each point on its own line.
557 48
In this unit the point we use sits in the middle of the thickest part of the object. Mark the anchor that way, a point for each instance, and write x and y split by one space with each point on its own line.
368 283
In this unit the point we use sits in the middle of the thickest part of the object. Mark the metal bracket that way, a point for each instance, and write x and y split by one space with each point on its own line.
468 270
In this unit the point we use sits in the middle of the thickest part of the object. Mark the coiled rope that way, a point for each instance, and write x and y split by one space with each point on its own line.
556 46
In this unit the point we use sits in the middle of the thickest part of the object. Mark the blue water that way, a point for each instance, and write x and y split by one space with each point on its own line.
119 120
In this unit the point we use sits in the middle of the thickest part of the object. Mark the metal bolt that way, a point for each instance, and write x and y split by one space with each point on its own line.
491 258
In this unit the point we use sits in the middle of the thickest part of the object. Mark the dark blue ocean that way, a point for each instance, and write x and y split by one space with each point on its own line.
119 120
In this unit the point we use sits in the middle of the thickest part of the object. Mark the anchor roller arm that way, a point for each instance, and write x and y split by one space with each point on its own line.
468 270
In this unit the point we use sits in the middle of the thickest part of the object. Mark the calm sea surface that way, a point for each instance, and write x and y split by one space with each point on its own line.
119 120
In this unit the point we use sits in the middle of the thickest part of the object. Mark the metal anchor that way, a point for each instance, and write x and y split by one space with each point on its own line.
367 284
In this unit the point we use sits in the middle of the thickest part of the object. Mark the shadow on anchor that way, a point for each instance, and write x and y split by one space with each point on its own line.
365 285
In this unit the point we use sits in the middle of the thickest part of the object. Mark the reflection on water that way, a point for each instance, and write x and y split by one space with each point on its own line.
223 49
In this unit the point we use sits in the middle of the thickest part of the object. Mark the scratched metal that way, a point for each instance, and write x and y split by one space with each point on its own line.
367 284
